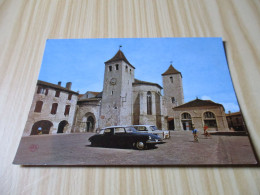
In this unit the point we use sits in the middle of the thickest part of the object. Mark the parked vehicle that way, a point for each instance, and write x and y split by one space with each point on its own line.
124 136
164 134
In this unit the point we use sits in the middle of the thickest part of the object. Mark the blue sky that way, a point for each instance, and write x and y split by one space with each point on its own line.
201 61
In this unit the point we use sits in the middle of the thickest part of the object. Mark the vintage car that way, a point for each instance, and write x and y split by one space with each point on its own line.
164 134
124 136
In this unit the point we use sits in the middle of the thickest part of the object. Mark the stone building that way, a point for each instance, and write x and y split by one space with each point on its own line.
124 100
199 113
52 110
236 121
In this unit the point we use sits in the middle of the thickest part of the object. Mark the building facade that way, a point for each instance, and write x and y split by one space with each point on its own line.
124 100
52 110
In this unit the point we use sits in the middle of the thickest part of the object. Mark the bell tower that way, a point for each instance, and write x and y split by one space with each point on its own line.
116 105
173 89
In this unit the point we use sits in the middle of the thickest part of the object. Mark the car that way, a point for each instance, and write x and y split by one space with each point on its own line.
124 136
164 134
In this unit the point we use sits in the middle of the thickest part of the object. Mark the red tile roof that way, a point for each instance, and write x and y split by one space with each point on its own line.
199 103
171 70
93 92
51 85
136 82
119 56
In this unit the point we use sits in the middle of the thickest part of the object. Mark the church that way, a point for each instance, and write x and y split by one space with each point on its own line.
124 100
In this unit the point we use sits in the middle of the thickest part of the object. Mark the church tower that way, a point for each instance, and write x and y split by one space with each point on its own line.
116 105
173 89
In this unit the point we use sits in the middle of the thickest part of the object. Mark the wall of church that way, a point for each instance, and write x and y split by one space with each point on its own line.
197 118
85 110
172 88
45 113
140 115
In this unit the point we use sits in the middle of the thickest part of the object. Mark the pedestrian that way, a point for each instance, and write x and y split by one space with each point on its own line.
195 134
39 131
206 133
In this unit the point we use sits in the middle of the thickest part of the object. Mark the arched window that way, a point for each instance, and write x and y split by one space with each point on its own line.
54 108
210 120
38 107
209 115
185 116
149 103
186 121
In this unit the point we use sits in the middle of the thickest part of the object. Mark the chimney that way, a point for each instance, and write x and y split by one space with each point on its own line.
59 83
68 85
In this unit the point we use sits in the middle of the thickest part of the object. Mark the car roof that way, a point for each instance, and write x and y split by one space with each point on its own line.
117 126
142 125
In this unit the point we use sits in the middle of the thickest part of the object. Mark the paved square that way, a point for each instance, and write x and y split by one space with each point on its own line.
75 149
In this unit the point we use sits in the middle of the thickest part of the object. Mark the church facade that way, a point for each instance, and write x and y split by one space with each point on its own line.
124 100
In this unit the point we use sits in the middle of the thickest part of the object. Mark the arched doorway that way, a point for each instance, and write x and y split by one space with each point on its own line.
61 126
90 124
41 127
186 121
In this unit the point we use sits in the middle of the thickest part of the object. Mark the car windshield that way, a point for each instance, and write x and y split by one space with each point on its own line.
101 131
154 128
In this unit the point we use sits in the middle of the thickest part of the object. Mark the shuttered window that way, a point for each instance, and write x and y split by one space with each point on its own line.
38 106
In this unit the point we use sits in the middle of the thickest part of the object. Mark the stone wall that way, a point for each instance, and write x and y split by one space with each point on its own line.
84 110
172 89
197 115
45 113
140 115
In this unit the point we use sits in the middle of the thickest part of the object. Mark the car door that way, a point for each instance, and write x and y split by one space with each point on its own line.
107 138
120 137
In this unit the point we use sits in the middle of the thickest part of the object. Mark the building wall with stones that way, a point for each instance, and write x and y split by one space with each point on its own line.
87 115
116 103
44 118
140 114
198 118
173 91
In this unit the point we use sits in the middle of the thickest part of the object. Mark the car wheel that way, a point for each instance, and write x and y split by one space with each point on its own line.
140 145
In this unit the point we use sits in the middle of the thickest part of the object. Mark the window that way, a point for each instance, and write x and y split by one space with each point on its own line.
171 79
54 108
38 107
186 121
130 71
186 116
69 96
57 94
149 103
126 68
110 68
117 67
209 115
210 119
173 100
108 131
119 130
42 90
67 110
140 128
112 92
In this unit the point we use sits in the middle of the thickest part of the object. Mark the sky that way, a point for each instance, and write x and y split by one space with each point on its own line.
201 61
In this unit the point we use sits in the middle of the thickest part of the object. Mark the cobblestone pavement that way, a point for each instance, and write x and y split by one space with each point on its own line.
180 149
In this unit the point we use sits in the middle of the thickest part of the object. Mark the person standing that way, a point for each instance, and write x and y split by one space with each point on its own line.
195 134
39 131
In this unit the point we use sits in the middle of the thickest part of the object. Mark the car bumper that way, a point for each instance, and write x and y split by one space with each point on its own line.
155 142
